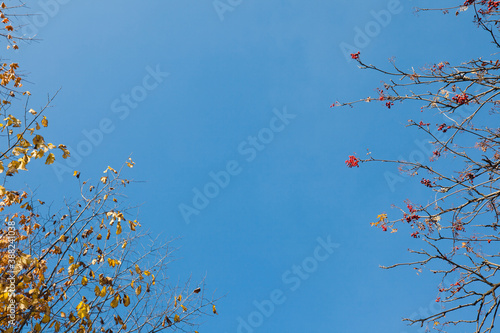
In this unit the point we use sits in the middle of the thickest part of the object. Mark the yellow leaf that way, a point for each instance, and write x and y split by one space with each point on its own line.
46 319
65 150
138 290
114 303
183 308
45 122
83 309
177 318
118 228
33 112
124 244
50 159
71 259
126 300
110 168
84 281
103 291
97 291
214 310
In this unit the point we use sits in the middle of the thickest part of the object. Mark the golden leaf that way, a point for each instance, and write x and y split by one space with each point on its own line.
46 319
126 300
50 159
114 303
45 122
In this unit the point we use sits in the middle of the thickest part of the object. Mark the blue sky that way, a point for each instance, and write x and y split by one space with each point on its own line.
202 86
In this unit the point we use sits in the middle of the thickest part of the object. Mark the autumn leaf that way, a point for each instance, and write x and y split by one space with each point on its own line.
114 303
50 159
45 122
126 300
82 309
46 319
167 320
130 163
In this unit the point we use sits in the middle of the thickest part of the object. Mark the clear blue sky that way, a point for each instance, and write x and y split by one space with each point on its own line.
248 91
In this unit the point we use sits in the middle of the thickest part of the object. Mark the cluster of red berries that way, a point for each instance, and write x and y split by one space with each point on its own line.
443 127
469 176
439 66
493 5
355 55
352 162
426 182
461 99
457 226
412 216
